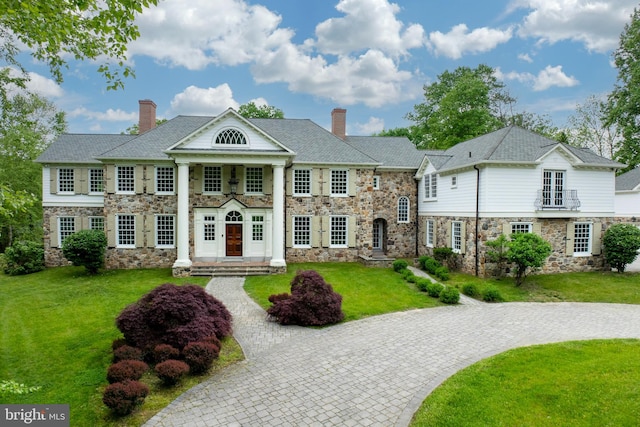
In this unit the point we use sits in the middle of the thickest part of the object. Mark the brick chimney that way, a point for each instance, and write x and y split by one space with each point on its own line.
339 122
147 116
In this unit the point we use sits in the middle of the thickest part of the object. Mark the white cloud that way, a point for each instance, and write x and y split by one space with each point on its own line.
110 115
374 125
595 23
525 57
367 24
547 78
200 101
460 41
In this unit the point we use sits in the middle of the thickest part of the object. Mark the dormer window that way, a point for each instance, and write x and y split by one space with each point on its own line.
230 136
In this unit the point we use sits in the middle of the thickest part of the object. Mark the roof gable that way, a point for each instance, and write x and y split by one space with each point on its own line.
629 181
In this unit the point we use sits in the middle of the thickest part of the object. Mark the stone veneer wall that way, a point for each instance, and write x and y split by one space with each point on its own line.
367 205
145 255
53 256
553 230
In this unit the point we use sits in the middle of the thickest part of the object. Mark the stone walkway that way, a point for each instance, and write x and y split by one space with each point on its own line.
375 371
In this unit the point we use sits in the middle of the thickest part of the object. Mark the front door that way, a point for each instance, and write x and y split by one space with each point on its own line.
234 239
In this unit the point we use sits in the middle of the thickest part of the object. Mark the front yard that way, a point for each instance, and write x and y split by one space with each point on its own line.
57 325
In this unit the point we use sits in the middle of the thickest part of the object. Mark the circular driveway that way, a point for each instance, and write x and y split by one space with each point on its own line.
375 371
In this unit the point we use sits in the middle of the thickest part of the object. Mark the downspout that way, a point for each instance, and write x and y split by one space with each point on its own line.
417 220
477 216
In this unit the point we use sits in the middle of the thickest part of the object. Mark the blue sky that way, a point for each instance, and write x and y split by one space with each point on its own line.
372 57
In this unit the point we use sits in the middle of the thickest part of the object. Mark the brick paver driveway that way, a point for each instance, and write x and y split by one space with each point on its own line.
375 371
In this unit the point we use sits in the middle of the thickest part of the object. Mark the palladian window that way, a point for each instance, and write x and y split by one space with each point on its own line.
230 136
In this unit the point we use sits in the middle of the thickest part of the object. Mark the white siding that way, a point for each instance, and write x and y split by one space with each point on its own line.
49 199
255 141
627 204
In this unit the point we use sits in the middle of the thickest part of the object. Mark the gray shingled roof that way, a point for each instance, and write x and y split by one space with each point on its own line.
81 148
312 143
151 144
512 144
628 181
392 152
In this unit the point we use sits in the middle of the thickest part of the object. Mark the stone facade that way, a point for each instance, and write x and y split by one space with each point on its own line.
53 255
553 230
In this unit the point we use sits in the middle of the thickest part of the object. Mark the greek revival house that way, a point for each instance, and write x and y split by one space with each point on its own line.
200 194
204 195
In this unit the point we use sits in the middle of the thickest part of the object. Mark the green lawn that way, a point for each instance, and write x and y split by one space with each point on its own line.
584 383
56 329
365 291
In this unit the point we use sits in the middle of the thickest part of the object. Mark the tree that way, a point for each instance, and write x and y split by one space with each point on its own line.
540 124
527 250
459 106
621 244
54 30
497 253
589 128
28 124
623 107
251 111
395 132
86 248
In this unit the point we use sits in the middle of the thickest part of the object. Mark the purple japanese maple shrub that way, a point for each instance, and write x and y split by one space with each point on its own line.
123 397
171 371
199 356
312 302
174 315
126 370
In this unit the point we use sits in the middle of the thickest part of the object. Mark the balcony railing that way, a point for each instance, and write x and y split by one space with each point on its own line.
557 199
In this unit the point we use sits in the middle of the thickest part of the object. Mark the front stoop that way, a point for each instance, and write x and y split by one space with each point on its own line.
216 269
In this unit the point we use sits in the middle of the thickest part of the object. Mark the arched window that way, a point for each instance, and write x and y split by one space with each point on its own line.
233 216
230 136
403 209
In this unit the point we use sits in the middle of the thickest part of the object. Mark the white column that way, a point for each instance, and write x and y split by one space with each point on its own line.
277 254
183 217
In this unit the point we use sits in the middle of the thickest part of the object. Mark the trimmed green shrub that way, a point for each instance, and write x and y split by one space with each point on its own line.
445 256
175 315
492 294
409 276
442 273
422 284
199 356
400 265
312 302
123 397
171 371
527 250
163 352
471 290
431 265
449 295
127 352
422 260
23 258
86 248
434 289
126 370
621 244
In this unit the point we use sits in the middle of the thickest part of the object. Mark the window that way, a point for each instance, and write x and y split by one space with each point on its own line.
376 182
66 227
403 209
126 233
165 231
582 238
521 227
212 179
430 186
338 231
65 180
126 179
301 231
339 182
258 228
454 181
254 180
96 223
456 236
96 181
233 216
553 188
231 137
301 182
209 228
164 179
429 230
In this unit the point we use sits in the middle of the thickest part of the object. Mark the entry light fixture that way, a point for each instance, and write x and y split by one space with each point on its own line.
233 182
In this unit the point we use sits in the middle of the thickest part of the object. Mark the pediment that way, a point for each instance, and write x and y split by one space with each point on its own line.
229 132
